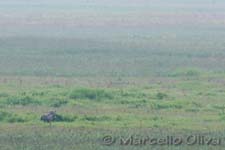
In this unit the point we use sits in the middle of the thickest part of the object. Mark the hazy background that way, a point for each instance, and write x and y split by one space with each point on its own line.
110 38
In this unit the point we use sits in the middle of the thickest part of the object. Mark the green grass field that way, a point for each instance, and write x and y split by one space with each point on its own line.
112 70
92 108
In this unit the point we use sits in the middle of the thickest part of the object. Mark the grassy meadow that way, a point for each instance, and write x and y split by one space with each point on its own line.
111 70
186 103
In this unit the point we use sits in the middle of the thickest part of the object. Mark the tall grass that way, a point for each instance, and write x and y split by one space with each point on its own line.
91 94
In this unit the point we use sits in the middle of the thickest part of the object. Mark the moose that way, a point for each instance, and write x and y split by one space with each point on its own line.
49 117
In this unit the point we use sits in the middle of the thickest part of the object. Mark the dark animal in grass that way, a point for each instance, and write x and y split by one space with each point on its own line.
49 117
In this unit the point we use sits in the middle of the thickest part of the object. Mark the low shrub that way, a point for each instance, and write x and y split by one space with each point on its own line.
92 94
4 95
187 72
161 96
96 118
11 118
169 105
23 100
58 103
65 118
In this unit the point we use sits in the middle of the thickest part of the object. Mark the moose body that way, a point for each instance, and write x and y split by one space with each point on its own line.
49 117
